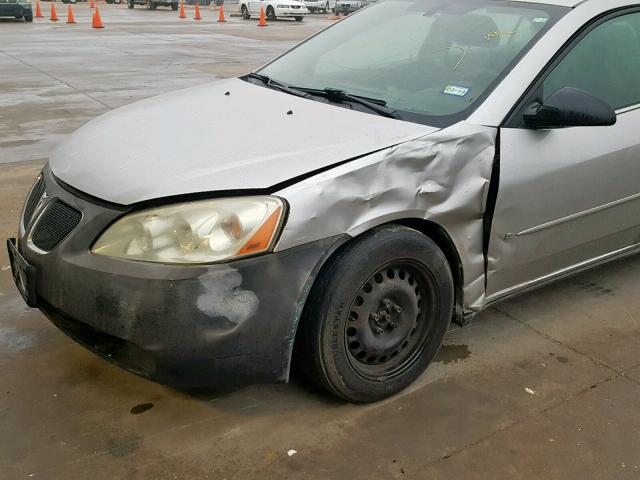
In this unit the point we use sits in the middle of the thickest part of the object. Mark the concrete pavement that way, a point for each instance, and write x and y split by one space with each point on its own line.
543 386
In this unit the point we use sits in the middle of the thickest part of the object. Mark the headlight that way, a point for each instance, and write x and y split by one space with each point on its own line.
282 6
196 232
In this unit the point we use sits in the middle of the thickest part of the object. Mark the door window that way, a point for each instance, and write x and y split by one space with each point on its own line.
605 63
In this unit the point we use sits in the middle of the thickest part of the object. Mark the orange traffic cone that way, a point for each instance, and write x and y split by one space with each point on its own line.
182 14
197 15
91 4
70 17
38 11
221 18
54 15
96 21
263 20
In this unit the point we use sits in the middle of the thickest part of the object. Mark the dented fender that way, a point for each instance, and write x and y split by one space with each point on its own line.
441 177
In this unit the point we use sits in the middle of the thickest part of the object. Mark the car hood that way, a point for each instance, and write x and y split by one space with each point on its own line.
228 135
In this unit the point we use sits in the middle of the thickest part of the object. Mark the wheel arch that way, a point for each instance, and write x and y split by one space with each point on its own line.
430 229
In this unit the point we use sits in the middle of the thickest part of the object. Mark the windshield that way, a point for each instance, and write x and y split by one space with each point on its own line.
433 61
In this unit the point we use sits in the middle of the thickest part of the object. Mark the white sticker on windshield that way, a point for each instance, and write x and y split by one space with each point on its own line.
540 20
455 90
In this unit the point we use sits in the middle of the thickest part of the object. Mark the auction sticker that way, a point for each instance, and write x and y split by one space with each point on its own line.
456 90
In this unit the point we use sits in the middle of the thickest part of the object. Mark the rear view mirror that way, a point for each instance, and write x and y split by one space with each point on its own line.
570 107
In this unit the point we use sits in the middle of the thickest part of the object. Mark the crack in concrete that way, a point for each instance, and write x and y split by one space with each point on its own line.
555 340
28 65
615 375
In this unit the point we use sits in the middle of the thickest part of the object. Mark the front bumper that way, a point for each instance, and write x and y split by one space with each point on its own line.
291 12
188 326
347 8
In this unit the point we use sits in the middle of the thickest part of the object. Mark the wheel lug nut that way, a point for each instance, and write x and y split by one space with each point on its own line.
398 309
378 331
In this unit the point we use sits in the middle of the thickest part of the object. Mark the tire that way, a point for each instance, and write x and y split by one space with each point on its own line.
174 7
130 4
377 315
299 19
271 14
152 5
327 7
28 17
245 12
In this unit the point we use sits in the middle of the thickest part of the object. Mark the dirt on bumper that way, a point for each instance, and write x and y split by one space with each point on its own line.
183 325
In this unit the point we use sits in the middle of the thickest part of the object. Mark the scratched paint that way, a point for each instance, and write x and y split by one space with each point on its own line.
222 296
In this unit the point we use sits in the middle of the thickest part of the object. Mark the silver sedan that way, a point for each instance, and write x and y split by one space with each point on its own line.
338 208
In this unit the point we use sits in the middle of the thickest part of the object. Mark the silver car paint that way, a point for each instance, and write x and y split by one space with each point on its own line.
202 140
499 103
415 172
442 177
559 207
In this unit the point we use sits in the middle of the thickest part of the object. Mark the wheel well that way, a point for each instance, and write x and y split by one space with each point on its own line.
440 236
430 229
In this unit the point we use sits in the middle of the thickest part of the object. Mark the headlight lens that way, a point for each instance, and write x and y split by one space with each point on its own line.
197 232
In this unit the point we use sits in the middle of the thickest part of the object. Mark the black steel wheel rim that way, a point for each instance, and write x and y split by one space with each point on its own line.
390 320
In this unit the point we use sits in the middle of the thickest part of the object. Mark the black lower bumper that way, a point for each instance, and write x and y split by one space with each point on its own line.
188 326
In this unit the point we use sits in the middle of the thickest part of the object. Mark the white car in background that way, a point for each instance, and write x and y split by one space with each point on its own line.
274 9
323 6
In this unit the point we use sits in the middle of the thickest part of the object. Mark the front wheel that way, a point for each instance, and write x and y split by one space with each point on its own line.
271 14
28 17
245 13
152 5
174 6
377 315
299 19
130 4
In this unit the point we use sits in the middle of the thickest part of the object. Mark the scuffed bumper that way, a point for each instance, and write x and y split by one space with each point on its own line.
188 326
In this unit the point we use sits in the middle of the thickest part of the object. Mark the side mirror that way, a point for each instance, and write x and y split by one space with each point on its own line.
570 107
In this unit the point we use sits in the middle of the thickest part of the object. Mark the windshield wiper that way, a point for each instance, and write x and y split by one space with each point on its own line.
283 87
333 94
337 95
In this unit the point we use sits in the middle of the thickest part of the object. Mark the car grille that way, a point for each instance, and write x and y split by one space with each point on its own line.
37 191
54 224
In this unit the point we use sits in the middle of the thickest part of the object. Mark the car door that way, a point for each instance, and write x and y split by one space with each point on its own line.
570 197
256 5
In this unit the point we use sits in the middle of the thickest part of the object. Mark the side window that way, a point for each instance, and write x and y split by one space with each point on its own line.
605 63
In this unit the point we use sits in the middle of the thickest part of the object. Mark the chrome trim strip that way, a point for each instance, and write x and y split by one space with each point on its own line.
630 108
34 222
564 272
585 213
22 229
